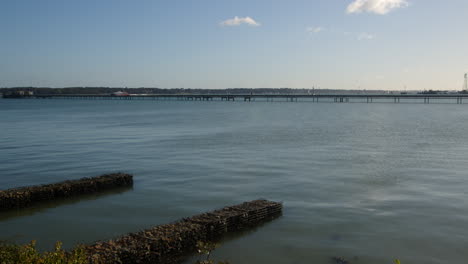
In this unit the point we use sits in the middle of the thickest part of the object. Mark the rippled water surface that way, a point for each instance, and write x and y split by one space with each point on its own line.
369 182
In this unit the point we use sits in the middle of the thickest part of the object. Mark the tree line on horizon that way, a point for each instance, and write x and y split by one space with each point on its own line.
144 90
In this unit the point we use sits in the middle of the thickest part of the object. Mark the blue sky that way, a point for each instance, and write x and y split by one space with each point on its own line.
336 44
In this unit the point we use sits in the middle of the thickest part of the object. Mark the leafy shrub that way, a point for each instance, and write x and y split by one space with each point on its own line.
17 254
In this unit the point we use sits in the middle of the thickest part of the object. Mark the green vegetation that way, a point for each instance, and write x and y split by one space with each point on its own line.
18 254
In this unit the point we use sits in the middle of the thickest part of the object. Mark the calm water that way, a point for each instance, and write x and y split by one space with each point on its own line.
369 182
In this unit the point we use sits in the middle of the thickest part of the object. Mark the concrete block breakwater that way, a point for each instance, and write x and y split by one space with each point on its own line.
26 196
167 243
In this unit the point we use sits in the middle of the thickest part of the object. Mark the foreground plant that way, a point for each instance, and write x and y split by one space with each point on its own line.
16 254
205 248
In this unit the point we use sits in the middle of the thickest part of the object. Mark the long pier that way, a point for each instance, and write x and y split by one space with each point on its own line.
330 98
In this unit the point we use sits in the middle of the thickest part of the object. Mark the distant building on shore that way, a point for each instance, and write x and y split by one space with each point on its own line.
120 93
17 94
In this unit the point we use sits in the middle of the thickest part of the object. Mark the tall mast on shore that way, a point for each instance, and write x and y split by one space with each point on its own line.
465 84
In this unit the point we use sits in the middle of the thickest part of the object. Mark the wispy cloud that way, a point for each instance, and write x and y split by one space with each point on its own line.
380 7
359 36
365 36
315 29
237 21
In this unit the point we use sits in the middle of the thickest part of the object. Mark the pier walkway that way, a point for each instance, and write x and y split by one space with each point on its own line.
333 98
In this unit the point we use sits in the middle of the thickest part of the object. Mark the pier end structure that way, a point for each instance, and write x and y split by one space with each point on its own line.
170 242
26 196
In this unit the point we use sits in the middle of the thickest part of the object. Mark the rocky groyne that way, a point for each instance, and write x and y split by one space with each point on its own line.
167 243
27 196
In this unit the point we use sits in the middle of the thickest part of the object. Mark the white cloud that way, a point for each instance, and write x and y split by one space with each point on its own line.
365 36
237 21
380 7
314 29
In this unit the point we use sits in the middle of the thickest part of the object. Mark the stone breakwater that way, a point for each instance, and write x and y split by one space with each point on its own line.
167 243
26 196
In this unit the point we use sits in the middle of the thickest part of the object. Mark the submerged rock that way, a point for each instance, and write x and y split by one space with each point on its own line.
340 260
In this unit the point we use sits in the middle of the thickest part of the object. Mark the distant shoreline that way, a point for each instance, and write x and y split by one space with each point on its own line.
169 91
